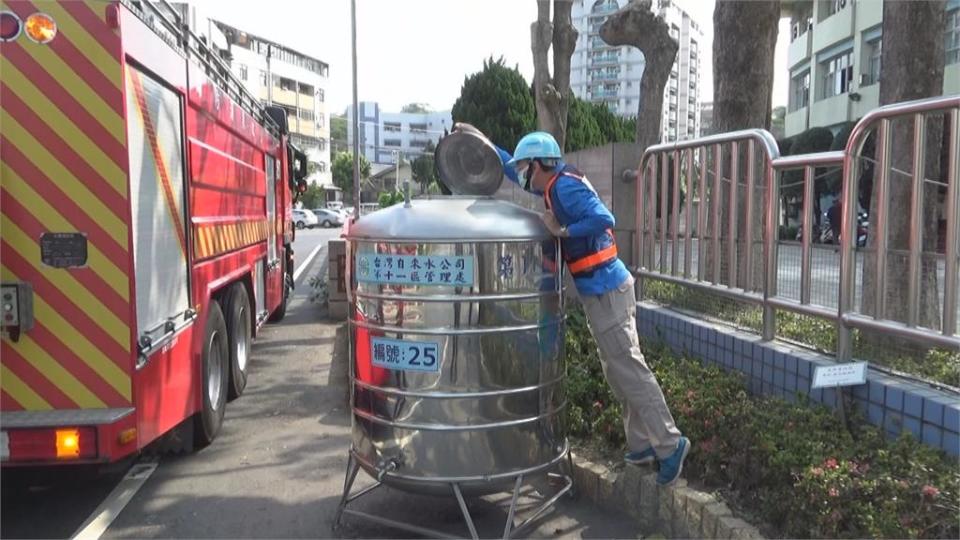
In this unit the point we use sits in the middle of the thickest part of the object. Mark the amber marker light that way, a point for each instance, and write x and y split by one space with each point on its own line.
41 28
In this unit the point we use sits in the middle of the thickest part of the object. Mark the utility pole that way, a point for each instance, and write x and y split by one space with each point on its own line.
356 114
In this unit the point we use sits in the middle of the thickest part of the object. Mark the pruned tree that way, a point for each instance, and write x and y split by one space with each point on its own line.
638 26
745 38
497 101
552 92
911 67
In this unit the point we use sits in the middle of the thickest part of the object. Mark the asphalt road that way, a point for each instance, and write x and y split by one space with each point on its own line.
276 470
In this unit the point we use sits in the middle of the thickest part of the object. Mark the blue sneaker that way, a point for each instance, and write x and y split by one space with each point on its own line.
670 467
642 457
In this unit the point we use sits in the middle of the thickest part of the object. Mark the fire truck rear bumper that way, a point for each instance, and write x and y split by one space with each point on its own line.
67 436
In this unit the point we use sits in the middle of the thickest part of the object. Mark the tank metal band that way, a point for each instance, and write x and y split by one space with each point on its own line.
455 395
451 331
467 479
472 427
454 297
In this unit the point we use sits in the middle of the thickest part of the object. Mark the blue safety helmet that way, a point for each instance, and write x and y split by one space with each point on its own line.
537 145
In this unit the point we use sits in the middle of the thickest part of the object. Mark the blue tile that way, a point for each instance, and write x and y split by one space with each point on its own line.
877 394
932 412
728 358
767 355
779 360
778 378
768 373
861 391
912 425
875 414
912 404
951 443
830 397
767 389
791 382
951 417
728 342
932 435
894 398
792 362
803 385
756 387
893 422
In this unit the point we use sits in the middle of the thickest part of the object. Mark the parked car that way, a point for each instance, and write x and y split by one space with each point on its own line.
328 218
304 219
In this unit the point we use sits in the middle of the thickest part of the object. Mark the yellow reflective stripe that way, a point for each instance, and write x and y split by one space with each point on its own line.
78 344
72 135
20 392
65 179
67 284
37 357
105 61
51 62
50 218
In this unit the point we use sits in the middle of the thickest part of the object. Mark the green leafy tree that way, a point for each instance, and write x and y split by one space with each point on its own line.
497 100
338 132
389 198
415 108
342 171
423 169
313 197
592 124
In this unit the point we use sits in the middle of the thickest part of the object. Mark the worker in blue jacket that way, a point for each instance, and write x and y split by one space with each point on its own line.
576 215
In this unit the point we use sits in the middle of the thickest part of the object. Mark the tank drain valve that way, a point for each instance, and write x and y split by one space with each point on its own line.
386 465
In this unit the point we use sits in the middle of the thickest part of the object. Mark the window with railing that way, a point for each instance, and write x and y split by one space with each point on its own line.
391 127
800 90
242 71
419 143
391 142
837 74
951 47
871 73
832 7
321 95
418 128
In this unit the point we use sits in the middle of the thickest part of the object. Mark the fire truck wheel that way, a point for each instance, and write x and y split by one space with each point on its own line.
239 328
281 311
216 374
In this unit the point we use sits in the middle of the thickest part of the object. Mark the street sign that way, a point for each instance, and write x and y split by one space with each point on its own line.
851 374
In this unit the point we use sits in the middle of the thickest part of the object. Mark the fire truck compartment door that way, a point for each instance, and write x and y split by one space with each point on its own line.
155 139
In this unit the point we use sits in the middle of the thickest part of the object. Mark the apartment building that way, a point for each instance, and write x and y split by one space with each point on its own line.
834 60
600 73
386 135
284 77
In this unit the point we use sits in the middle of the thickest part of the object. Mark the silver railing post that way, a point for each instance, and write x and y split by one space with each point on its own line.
733 219
770 246
675 217
808 234
702 217
664 174
715 209
883 205
916 221
952 204
748 243
688 225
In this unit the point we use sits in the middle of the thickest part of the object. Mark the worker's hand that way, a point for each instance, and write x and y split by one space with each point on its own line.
466 128
553 225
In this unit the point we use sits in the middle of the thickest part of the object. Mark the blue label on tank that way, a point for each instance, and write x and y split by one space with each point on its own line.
405 355
439 270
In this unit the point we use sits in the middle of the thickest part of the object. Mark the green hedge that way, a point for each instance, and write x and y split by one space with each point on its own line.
796 468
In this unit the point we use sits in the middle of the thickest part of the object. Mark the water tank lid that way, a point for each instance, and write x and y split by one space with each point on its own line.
451 219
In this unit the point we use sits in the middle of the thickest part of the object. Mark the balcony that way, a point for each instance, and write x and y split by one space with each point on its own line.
603 94
602 59
597 43
604 9
799 50
605 76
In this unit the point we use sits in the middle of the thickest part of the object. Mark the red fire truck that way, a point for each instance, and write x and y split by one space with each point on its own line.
145 229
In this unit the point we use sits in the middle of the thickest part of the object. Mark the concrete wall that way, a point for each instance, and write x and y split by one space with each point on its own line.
893 404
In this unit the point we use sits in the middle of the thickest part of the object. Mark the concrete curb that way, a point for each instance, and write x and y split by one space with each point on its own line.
677 511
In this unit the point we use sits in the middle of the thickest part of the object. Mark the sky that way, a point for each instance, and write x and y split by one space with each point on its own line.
421 50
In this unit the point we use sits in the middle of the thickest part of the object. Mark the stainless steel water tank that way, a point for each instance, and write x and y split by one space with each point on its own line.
457 345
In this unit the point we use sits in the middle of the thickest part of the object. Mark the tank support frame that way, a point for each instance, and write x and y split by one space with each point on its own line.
511 528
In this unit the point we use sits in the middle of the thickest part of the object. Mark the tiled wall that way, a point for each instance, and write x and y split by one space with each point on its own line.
892 403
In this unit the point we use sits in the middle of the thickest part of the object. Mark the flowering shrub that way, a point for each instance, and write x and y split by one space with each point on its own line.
797 467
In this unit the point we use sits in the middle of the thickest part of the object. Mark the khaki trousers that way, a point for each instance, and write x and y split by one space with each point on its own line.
613 321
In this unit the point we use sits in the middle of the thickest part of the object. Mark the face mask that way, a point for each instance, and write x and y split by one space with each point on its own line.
525 175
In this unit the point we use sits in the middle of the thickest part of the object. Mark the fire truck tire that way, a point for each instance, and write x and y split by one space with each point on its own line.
281 311
216 375
239 329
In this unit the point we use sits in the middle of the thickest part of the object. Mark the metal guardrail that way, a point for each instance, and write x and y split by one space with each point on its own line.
737 178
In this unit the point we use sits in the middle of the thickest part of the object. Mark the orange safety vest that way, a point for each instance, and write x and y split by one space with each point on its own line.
591 260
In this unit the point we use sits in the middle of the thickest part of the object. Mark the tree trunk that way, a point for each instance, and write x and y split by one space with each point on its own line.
911 67
552 93
745 38
637 25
